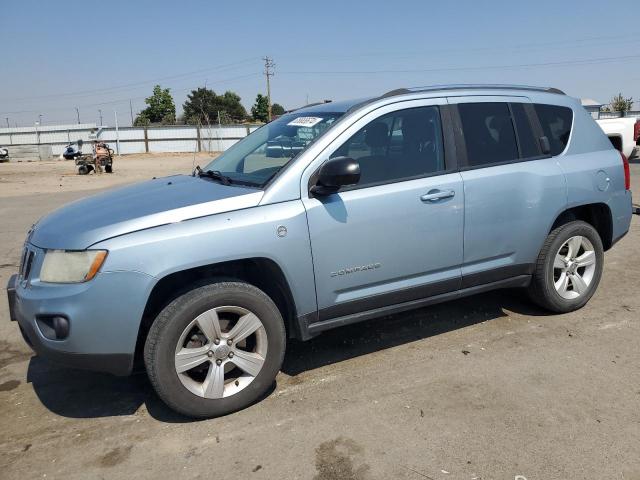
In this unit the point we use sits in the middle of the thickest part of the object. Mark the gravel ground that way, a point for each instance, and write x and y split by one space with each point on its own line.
489 387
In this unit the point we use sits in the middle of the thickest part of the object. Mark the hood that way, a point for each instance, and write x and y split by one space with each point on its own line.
144 205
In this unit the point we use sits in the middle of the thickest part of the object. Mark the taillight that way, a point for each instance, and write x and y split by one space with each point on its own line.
627 173
636 131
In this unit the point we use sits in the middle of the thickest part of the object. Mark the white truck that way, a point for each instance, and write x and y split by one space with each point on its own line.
623 133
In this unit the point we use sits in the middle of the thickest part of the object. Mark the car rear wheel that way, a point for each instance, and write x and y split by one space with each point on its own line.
569 268
216 349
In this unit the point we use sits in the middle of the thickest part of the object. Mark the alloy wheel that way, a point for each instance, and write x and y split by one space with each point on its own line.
221 352
574 266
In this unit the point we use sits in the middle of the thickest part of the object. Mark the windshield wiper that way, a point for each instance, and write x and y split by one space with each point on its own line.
215 174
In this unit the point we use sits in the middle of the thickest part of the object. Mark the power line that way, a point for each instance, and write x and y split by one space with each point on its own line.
125 100
224 67
573 43
230 66
592 61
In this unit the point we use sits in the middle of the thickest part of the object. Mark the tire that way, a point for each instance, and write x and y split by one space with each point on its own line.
83 170
178 329
108 168
553 291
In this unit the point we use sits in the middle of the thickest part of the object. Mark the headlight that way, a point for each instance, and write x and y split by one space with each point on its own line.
60 266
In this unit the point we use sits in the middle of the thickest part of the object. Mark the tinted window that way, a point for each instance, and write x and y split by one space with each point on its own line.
400 145
488 133
556 125
526 138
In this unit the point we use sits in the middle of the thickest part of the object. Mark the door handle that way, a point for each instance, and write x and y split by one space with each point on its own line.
435 195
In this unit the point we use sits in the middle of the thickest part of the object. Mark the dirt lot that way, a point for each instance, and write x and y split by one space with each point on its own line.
61 176
489 387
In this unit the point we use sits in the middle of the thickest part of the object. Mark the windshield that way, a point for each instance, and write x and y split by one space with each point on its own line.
257 158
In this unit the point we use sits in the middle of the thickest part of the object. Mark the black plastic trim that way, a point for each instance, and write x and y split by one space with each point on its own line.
458 134
515 129
386 299
449 137
496 274
11 296
318 327
472 86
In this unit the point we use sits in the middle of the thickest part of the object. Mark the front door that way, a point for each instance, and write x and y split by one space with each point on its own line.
397 235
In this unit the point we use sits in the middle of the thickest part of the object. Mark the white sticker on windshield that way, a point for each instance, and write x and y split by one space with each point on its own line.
305 121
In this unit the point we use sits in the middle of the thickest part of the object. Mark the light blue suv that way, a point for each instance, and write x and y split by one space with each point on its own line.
332 214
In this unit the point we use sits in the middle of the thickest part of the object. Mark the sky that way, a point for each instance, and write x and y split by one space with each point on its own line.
59 55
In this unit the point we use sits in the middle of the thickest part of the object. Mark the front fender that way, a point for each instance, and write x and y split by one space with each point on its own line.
278 232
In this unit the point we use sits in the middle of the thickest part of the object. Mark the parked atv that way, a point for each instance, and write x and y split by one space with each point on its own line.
102 158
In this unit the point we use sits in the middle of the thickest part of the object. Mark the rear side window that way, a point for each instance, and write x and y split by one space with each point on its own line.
488 133
556 125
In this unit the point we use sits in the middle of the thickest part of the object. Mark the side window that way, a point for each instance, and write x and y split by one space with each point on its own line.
526 138
488 133
397 146
556 125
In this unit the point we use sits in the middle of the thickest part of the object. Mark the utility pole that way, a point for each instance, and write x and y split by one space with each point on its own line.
100 113
78 115
219 123
10 137
268 72
131 111
115 114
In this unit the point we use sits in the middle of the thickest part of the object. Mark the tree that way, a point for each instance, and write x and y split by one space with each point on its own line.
260 110
204 107
277 110
621 104
141 120
232 106
161 108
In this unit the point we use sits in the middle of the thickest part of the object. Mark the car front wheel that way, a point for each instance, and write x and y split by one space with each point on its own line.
216 349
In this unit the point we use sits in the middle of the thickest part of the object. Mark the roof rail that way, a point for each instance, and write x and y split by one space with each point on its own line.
315 104
433 88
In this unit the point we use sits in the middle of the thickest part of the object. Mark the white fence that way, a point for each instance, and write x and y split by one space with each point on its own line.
173 138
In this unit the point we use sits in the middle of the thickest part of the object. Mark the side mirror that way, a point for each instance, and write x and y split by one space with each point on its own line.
334 174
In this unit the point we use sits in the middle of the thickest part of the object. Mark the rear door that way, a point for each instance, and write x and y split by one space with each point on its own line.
512 191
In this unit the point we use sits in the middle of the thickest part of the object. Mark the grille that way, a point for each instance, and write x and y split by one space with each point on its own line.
26 263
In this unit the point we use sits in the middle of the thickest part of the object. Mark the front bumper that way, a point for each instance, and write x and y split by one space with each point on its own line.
104 316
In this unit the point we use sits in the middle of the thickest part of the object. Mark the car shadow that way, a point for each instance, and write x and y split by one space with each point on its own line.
379 334
82 394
